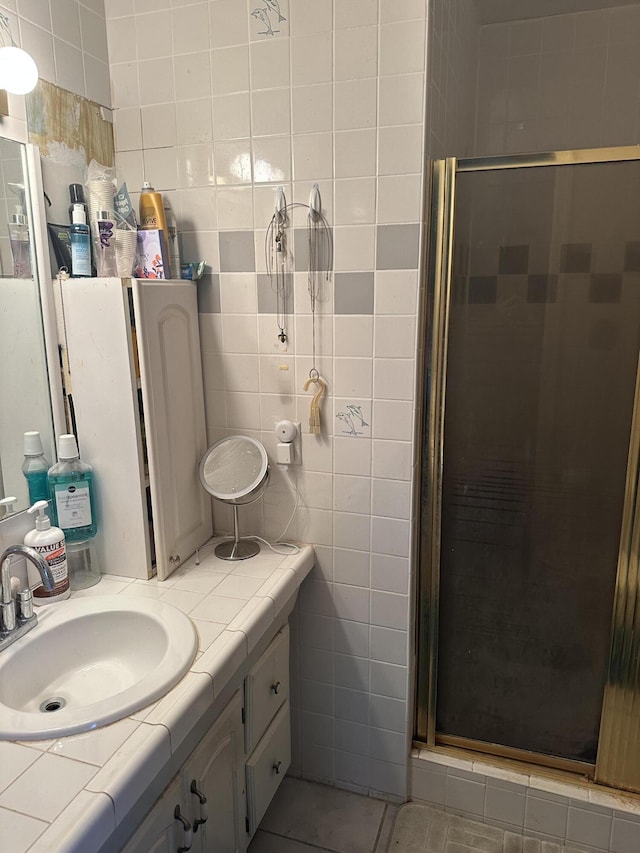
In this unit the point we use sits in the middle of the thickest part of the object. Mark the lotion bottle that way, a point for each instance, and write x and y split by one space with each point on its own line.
49 542
71 492
80 244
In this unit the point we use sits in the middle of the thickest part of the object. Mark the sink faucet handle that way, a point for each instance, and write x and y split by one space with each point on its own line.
25 604
8 615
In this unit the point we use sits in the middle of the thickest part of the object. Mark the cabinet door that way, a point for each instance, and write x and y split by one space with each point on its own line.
267 687
97 333
162 831
268 765
215 771
173 397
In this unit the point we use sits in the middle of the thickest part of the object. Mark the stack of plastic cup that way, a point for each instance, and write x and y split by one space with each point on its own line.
126 246
100 193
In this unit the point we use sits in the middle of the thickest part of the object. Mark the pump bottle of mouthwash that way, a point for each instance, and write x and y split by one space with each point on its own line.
71 492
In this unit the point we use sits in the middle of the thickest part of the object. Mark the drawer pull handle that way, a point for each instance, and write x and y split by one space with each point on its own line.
204 813
187 838
276 687
276 767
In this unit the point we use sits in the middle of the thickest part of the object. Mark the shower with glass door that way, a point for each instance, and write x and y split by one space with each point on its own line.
529 625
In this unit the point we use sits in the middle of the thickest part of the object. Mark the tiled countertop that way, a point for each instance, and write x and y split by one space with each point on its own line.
70 794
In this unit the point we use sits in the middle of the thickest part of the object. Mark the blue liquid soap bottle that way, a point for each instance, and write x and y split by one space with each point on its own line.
71 492
35 467
80 243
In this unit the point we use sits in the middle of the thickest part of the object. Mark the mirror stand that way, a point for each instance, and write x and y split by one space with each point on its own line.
237 548
235 470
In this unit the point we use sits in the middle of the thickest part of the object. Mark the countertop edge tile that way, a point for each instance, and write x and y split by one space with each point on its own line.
280 586
180 710
223 657
129 772
89 819
253 620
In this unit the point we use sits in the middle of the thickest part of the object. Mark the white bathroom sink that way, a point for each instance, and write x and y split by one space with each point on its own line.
89 662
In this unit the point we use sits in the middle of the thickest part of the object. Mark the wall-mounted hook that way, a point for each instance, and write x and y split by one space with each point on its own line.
281 206
315 203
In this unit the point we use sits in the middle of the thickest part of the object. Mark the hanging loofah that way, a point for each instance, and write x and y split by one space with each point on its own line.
314 409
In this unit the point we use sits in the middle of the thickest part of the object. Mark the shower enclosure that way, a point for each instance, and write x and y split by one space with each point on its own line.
529 639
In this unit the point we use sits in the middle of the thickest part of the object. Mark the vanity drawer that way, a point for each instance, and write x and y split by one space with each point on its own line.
267 766
266 688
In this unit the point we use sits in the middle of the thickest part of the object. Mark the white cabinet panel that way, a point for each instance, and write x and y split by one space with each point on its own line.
102 353
104 394
268 765
215 771
161 831
170 362
266 688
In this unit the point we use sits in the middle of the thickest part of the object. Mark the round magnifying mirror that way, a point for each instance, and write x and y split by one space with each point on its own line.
235 470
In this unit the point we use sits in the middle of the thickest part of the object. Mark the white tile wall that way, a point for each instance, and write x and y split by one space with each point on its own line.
221 115
68 40
216 115
589 818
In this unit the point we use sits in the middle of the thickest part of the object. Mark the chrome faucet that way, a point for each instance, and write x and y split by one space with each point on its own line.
16 621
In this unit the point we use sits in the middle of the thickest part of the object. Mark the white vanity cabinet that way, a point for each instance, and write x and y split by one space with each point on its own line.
202 808
267 727
237 781
133 350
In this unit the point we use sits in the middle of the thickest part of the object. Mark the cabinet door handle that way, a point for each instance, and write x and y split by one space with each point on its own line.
187 835
276 687
204 813
276 767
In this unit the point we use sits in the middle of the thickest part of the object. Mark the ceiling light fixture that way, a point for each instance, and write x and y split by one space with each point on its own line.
18 70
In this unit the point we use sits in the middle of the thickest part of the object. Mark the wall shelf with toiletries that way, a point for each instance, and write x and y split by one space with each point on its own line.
142 422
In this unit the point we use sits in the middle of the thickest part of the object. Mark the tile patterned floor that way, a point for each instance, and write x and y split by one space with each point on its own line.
305 817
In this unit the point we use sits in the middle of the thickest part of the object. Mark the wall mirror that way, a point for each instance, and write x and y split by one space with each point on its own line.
235 470
27 340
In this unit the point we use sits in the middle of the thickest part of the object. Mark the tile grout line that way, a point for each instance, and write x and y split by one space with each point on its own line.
309 844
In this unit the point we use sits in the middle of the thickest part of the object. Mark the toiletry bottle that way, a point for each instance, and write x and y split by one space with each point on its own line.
20 243
173 244
152 211
76 194
35 467
48 541
7 506
80 244
71 492
105 244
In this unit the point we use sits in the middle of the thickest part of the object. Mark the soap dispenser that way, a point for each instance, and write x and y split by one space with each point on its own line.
48 541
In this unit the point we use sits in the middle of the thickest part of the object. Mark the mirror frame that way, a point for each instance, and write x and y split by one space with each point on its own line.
34 191
253 490
45 285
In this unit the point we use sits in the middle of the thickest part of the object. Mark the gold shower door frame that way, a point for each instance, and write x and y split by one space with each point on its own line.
618 756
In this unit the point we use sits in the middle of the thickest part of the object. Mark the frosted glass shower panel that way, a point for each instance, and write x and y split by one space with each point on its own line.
542 359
